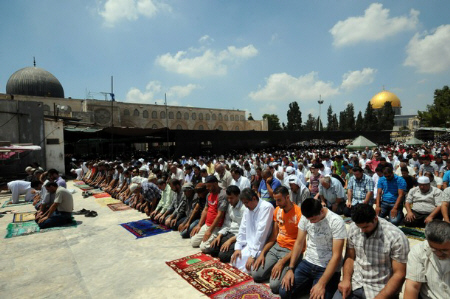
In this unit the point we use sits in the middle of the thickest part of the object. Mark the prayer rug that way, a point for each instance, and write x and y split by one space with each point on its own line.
21 202
24 217
145 228
250 290
416 233
106 201
118 207
96 191
207 274
85 187
31 227
102 195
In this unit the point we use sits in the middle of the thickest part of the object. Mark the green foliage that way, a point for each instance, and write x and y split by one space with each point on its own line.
386 117
311 123
335 124
294 117
330 124
370 119
273 121
250 117
359 122
437 114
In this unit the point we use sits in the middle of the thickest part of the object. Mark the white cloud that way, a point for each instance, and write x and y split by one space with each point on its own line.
154 92
430 53
117 10
284 87
353 79
375 25
207 64
206 39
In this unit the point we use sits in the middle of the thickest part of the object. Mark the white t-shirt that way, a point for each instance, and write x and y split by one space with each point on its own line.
319 244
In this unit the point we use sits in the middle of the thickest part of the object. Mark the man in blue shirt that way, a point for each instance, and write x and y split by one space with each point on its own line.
267 185
390 196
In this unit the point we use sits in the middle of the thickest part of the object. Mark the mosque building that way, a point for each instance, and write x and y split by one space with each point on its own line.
38 85
409 121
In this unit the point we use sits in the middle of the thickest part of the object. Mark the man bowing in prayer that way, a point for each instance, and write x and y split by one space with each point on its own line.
255 227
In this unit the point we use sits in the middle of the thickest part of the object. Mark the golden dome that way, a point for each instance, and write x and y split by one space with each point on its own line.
385 96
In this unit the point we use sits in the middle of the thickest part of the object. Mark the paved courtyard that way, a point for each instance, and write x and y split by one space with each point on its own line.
97 259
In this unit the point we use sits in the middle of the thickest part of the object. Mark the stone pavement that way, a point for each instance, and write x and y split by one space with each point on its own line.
97 259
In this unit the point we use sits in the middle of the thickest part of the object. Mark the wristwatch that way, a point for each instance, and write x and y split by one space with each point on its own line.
290 268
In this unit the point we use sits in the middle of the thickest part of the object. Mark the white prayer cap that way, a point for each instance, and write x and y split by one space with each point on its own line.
136 180
152 176
143 168
289 170
423 180
141 160
160 160
28 169
133 187
293 179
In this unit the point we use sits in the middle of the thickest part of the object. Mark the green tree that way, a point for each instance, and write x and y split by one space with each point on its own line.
294 117
273 121
437 114
310 123
250 117
359 126
370 119
386 117
330 119
319 125
335 126
343 121
350 117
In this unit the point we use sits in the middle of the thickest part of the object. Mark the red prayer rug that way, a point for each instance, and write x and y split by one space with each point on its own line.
250 290
207 274
118 207
102 195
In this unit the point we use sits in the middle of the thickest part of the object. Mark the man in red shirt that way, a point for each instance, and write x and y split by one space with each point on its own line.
212 217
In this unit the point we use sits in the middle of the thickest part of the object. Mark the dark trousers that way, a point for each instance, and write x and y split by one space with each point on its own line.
225 257
306 275
386 212
186 234
57 219
356 294
419 220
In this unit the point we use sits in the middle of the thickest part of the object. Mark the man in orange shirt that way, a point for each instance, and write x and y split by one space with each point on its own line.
274 259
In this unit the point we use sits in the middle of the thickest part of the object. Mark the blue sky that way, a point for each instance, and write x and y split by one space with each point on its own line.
256 56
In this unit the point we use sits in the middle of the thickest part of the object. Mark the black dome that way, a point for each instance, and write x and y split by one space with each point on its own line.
34 81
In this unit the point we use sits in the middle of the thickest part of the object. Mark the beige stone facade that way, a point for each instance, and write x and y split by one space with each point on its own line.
152 116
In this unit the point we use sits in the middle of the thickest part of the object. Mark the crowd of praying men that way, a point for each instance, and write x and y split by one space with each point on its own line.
279 215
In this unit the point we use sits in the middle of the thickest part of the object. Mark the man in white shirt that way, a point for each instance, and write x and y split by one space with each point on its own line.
177 173
428 268
321 265
239 180
18 188
255 227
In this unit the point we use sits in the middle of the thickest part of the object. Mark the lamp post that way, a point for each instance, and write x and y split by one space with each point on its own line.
320 101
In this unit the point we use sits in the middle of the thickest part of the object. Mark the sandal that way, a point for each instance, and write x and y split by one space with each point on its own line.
81 212
91 214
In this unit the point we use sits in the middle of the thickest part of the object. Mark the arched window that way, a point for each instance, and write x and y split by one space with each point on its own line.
232 117
220 128
154 127
186 116
225 117
194 116
126 112
145 114
237 128
178 115
242 118
154 114
200 116
171 115
207 116
214 117
236 117
220 116
162 115
136 112
179 127
200 127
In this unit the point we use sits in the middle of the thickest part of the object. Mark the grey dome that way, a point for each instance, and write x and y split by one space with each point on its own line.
34 81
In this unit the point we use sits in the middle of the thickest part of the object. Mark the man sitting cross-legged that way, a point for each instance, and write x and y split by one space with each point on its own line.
223 244
212 216
376 256
320 267
60 212
274 259
255 227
